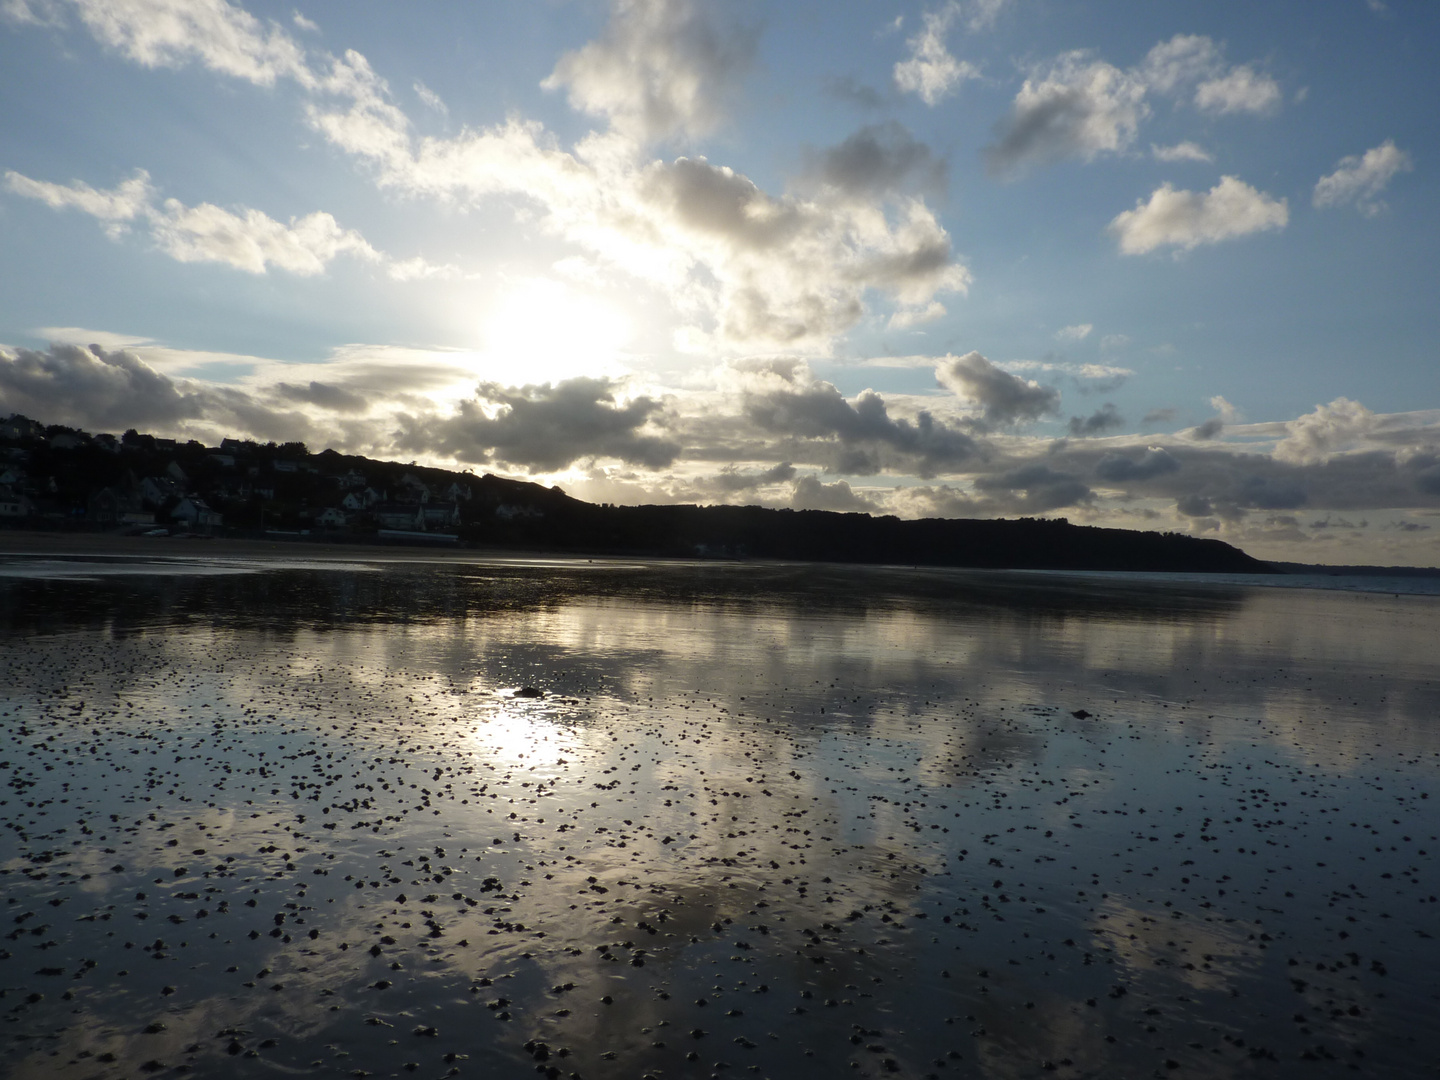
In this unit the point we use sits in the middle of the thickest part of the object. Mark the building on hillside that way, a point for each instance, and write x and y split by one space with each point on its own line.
68 440
14 505
21 427
157 491
194 512
332 517
444 515
116 506
399 516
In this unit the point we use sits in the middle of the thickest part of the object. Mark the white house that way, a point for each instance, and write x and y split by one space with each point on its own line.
332 517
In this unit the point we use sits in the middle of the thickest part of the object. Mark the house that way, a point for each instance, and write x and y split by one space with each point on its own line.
413 489
116 506
106 442
399 516
156 491
507 512
195 513
224 460
458 492
14 505
372 497
238 447
176 473
164 445
332 517
12 475
68 440
21 427
351 481
353 502
285 465
442 514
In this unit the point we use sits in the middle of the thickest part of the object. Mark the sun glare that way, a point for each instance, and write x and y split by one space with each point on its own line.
544 331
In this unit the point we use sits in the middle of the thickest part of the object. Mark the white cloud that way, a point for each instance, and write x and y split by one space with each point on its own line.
249 240
1186 219
1181 151
930 71
1361 179
1184 59
419 269
126 201
1329 429
660 69
1078 332
219 35
1241 89
1080 107
905 318
430 99
252 241
308 25
1083 107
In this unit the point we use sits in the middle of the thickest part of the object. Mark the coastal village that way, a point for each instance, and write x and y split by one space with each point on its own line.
57 477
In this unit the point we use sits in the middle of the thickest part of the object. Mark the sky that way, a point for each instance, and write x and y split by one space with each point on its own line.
1161 266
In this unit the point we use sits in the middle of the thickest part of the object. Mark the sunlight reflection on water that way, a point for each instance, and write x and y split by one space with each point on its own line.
1015 818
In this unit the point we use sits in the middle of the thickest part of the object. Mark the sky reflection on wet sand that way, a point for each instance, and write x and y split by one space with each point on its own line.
778 818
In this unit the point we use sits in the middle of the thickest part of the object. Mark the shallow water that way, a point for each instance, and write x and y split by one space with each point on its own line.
766 820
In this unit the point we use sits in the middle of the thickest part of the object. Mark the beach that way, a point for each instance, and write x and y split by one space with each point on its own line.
305 811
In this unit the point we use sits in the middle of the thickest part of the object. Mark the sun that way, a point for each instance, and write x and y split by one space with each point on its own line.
541 330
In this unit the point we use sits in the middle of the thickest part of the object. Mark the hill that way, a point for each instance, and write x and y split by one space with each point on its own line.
60 478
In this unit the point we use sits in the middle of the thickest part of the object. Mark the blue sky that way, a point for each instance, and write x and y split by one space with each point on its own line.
1145 265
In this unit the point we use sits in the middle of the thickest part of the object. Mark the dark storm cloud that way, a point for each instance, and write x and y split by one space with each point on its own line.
324 395
1005 398
544 428
96 389
1039 488
817 410
1120 468
1106 418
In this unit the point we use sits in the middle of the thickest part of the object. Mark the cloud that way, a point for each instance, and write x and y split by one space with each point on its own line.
220 36
1078 332
430 99
1084 107
1186 219
811 494
247 239
325 396
1241 89
1080 108
1181 151
1361 179
1329 429
732 481
930 71
659 70
1005 398
124 203
1039 487
786 400
1158 416
252 241
92 388
545 428
1119 468
1106 418
879 160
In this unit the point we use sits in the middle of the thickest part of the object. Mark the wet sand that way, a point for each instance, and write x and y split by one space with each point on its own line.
778 821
